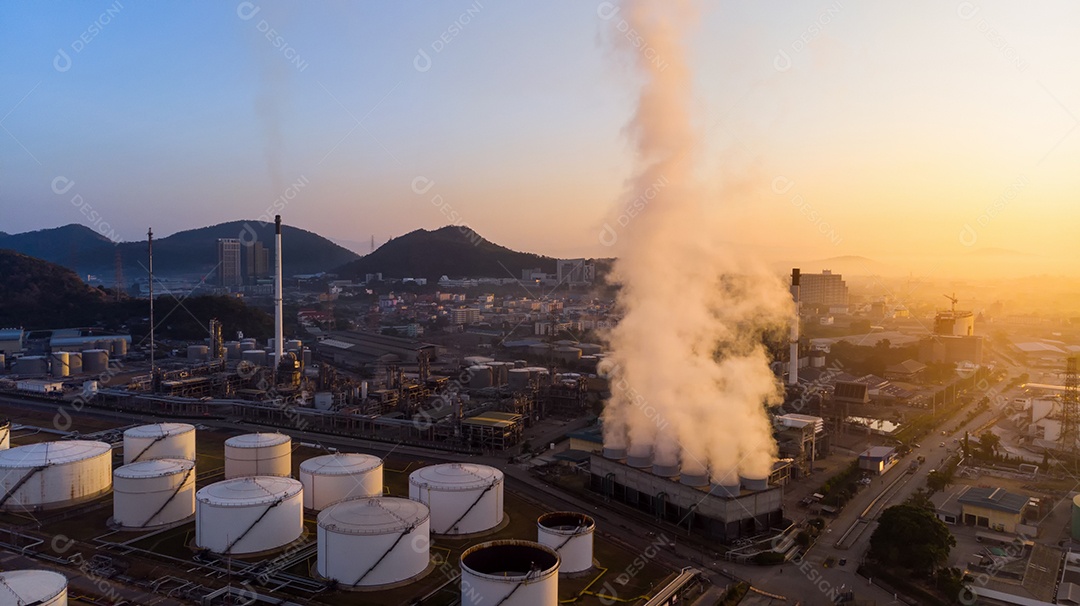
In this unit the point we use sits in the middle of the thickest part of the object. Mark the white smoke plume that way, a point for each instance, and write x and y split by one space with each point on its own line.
688 371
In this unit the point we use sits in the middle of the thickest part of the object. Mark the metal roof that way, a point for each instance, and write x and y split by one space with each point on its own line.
997 499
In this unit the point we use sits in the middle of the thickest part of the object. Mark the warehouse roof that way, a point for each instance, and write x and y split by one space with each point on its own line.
997 499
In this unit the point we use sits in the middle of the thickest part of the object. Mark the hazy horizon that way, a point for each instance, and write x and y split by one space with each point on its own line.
914 136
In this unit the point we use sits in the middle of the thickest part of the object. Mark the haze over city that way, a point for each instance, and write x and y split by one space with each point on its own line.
927 136
472 303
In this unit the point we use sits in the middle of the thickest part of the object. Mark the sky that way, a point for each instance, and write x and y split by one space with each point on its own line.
921 134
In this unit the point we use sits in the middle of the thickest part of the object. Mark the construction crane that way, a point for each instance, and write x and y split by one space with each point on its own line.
953 299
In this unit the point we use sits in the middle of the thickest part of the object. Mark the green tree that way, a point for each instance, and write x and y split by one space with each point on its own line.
911 537
988 444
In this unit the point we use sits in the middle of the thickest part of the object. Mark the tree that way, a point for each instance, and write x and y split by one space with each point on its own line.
912 537
988 444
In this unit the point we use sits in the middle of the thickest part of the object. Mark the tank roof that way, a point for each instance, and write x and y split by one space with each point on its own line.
52 453
154 468
341 464
243 492
373 516
456 476
158 430
509 559
30 586
257 440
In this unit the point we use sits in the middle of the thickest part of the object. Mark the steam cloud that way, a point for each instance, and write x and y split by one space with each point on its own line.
689 375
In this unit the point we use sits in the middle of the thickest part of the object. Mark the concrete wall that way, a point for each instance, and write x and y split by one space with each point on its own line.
726 519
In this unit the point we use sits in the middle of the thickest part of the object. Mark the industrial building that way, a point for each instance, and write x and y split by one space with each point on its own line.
355 349
878 459
724 514
826 288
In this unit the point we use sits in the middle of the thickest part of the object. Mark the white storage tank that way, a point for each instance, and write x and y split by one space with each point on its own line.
154 493
248 345
60 364
464 498
198 352
49 475
479 377
255 356
232 350
374 542
258 454
33 587
159 441
31 365
518 378
509 573
335 477
570 534
95 361
249 515
75 362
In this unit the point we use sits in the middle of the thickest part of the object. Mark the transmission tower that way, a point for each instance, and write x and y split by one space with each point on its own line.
1070 409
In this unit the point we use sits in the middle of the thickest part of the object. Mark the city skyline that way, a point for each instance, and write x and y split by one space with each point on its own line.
821 137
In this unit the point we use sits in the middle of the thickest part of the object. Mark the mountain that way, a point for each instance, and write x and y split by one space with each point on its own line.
34 293
847 265
448 251
192 252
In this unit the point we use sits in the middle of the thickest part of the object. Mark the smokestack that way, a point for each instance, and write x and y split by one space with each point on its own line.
793 368
279 314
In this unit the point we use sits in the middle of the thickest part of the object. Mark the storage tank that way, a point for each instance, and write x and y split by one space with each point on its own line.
567 354
159 441
570 534
75 362
464 498
255 356
119 348
249 515
95 361
258 454
374 542
154 493
328 479
248 345
198 352
5 435
232 350
294 345
324 400
33 587
518 378
59 364
49 475
479 377
509 573
31 365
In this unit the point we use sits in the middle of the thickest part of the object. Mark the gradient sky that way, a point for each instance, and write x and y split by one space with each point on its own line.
828 128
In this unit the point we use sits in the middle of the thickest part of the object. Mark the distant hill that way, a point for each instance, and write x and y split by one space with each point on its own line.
847 265
448 251
35 293
191 252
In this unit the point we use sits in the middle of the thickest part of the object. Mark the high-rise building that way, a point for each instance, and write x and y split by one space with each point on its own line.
825 288
574 271
256 262
228 254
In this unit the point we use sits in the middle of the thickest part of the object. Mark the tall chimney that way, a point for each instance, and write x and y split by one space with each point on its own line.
279 315
793 368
